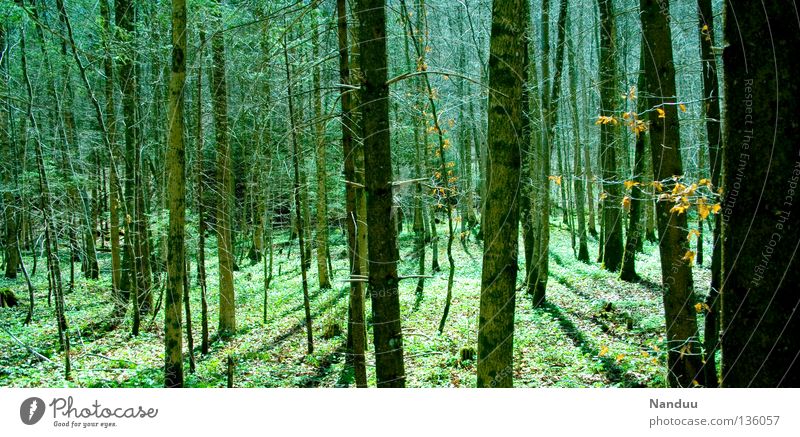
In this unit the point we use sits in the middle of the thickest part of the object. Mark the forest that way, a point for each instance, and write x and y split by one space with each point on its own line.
399 193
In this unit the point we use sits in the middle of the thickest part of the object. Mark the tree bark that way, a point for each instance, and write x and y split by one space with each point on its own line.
760 265
176 202
683 358
609 96
713 132
501 222
355 323
224 183
382 241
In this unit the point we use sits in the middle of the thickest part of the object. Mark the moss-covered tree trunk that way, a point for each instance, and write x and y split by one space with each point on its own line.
761 162
176 203
355 325
7 149
683 357
501 219
224 182
383 253
322 173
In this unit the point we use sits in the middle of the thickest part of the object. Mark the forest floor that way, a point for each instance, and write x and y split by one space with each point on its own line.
594 330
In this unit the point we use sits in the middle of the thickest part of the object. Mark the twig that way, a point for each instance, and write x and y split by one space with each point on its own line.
410 181
30 349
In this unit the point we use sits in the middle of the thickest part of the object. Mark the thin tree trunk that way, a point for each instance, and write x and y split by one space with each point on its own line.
201 220
322 174
298 203
51 239
176 201
355 323
219 88
635 199
579 173
712 114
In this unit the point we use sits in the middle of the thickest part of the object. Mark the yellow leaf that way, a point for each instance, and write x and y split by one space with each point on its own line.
683 107
661 113
630 184
689 256
705 28
680 209
715 209
620 357
702 208
556 179
603 350
693 233
695 383
700 306
632 93
705 182
645 354
654 361
658 186
626 203
603 195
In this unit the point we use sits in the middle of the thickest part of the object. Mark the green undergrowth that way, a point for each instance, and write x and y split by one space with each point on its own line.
593 331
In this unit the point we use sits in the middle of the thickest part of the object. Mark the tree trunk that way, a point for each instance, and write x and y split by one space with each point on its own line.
298 203
383 253
579 174
51 238
114 187
760 266
176 202
712 114
355 323
609 96
322 174
224 183
10 203
635 198
501 222
683 359
201 220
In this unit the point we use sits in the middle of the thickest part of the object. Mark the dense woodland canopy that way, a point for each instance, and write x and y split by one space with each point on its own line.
399 193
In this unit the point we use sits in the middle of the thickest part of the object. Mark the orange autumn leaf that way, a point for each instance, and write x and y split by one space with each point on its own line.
689 257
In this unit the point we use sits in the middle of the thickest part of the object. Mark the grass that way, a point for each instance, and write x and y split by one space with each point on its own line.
594 330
